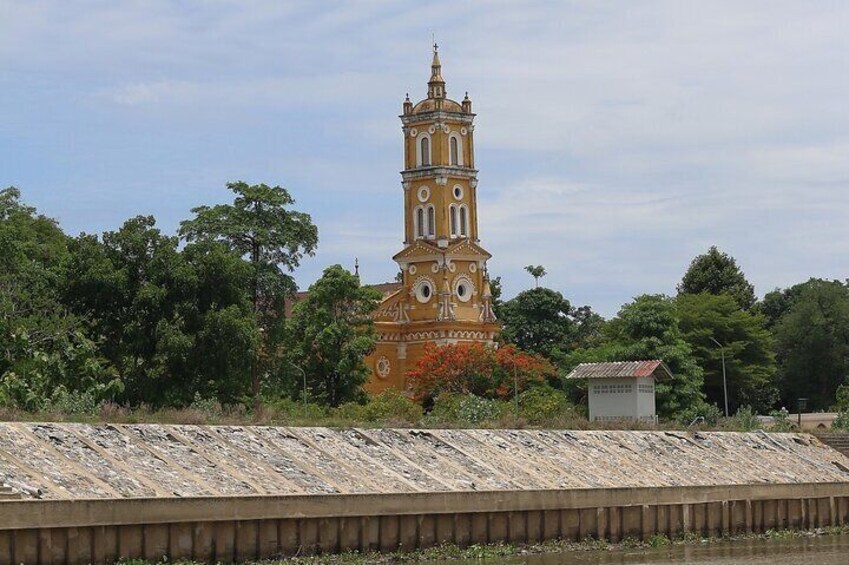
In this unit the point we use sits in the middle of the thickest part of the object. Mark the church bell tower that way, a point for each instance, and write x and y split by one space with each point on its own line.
444 295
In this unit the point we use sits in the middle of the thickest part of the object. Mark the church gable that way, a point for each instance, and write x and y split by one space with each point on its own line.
467 249
418 250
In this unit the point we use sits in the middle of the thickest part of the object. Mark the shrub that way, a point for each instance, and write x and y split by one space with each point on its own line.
543 404
75 402
391 405
465 409
745 420
781 421
707 414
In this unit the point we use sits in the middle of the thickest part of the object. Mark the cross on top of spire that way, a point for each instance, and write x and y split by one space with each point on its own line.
436 84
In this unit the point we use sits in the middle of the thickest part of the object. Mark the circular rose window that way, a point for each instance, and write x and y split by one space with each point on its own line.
383 367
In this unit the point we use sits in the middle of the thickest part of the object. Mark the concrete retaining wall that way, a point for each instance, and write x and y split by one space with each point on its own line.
240 528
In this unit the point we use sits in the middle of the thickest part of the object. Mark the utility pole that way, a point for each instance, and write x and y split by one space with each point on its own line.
724 381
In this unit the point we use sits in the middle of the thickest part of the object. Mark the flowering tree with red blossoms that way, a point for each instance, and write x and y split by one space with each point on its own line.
474 368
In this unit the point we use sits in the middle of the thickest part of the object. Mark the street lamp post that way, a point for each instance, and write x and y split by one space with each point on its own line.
304 374
724 381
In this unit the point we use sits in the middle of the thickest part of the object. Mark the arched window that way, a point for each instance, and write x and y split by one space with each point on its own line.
419 222
431 221
463 221
425 152
452 217
455 152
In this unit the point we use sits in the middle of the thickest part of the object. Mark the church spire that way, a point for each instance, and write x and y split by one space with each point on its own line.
436 84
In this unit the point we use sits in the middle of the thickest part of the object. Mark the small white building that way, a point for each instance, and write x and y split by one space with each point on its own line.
622 390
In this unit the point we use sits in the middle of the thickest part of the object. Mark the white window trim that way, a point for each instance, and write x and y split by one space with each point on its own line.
459 139
430 221
452 220
424 135
463 221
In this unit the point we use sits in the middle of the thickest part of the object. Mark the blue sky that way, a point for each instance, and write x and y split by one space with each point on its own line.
615 140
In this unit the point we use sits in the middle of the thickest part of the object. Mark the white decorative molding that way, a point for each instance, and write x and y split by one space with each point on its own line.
431 130
463 131
473 268
412 269
423 193
414 132
407 185
445 128
473 182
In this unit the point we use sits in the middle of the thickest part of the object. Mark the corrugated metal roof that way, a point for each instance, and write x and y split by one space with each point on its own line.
621 369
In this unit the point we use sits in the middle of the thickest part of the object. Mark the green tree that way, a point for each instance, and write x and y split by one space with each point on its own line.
260 226
172 323
748 347
537 272
812 339
538 320
716 272
330 333
43 347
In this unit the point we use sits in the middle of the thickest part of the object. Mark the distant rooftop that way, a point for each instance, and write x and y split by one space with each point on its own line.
621 369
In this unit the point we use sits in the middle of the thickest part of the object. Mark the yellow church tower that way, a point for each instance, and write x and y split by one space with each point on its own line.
444 295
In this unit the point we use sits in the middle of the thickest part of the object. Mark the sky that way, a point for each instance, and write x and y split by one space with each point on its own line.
615 140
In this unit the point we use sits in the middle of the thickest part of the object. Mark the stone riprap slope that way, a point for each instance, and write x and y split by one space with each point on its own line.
61 461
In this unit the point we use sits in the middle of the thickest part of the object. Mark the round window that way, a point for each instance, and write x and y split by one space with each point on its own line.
384 367
424 194
458 192
424 291
463 289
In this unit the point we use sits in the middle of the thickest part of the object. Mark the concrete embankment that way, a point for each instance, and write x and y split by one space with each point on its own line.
95 493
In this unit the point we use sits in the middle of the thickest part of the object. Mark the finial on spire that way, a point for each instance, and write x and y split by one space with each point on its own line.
436 84
357 267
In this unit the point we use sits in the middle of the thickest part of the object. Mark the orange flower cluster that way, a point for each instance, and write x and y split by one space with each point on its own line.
474 368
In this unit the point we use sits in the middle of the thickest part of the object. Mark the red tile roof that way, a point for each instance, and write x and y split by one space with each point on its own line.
621 369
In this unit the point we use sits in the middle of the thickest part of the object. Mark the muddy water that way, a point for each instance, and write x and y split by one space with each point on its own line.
825 550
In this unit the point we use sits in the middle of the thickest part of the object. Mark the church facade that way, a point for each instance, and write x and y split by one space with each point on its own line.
444 295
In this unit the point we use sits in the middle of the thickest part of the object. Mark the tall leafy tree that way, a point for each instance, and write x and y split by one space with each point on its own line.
745 341
812 339
42 346
173 323
716 272
261 226
537 272
330 333
539 321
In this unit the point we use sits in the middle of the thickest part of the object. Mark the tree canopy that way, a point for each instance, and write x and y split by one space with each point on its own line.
330 333
260 227
716 272
747 344
812 339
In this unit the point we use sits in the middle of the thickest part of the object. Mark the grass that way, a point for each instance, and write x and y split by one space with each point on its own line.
450 552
